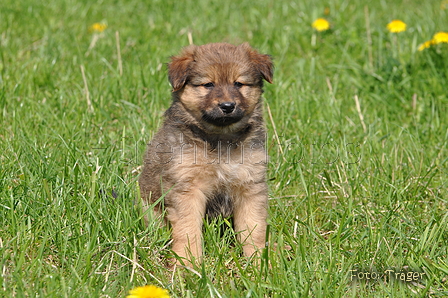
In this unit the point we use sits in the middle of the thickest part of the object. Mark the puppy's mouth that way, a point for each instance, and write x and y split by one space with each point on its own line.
220 117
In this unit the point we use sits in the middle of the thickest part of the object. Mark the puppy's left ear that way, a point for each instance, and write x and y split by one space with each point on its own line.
179 68
262 62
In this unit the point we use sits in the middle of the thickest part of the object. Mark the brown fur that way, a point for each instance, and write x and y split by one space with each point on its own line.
209 157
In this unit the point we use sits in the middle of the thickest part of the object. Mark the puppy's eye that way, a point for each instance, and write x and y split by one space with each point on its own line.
208 85
238 85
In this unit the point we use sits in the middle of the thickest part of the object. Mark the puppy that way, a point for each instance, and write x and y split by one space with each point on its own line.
209 157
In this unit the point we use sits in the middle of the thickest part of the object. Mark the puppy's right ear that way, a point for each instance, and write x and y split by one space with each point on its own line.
179 67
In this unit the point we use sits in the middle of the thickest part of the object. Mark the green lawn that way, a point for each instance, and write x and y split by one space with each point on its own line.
358 170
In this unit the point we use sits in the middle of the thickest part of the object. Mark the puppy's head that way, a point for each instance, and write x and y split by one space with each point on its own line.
220 84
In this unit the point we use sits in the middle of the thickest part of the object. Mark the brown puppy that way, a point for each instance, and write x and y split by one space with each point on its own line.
209 157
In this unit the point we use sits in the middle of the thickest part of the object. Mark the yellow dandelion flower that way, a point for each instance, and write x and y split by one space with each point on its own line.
321 24
444 5
440 37
396 26
426 45
148 292
97 27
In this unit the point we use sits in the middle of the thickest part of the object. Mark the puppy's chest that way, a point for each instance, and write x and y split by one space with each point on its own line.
222 171
226 166
225 156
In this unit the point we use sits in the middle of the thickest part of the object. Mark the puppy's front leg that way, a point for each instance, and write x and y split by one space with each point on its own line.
250 217
185 215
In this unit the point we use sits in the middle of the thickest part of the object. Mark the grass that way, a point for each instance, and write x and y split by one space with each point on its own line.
358 154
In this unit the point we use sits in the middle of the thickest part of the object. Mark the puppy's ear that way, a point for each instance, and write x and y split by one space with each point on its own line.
262 62
179 67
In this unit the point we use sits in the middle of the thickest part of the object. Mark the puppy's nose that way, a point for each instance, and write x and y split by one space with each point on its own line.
227 107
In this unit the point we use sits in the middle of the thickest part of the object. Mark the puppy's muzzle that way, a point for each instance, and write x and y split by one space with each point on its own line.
227 107
224 114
